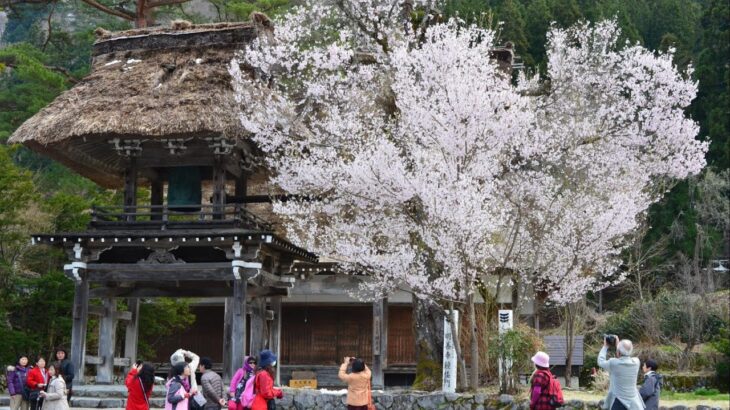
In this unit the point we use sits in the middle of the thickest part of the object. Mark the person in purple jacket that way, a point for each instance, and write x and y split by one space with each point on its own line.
238 382
16 376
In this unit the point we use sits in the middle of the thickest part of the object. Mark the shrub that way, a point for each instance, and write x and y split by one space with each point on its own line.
703 391
590 362
518 344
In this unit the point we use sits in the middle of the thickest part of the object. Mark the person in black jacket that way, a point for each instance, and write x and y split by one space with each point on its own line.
65 369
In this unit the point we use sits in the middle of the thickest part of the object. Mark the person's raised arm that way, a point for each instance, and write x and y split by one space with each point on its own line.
342 374
602 361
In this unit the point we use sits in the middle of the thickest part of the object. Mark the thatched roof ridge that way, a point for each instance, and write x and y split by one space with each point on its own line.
144 84
176 27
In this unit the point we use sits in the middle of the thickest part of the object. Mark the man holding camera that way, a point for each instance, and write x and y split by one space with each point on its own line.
623 371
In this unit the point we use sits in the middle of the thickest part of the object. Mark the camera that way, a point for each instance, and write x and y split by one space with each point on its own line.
139 363
352 359
610 339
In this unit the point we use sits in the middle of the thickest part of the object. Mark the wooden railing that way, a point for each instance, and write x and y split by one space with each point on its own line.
176 216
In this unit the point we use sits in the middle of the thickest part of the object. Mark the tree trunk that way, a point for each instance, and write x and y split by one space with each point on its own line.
428 330
569 333
457 346
474 341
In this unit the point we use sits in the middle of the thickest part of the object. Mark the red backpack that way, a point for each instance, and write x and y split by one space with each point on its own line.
555 392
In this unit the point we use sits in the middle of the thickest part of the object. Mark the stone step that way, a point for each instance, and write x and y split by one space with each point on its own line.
110 391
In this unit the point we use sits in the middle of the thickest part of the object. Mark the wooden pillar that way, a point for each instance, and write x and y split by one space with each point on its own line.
380 342
275 334
241 187
258 325
107 339
237 340
157 193
80 316
131 335
130 188
229 362
219 189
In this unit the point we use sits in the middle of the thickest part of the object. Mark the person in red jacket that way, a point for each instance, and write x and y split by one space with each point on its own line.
37 380
139 383
263 385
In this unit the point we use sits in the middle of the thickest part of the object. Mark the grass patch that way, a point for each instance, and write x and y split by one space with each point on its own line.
668 399
699 394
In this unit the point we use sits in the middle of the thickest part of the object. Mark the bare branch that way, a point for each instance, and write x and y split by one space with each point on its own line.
154 4
123 14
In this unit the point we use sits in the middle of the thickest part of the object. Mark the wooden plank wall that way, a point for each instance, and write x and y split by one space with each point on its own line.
323 335
310 335
555 347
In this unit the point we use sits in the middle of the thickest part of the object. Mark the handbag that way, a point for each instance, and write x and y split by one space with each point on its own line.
371 406
25 390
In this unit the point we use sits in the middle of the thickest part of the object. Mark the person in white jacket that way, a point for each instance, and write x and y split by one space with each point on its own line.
179 357
623 372
54 398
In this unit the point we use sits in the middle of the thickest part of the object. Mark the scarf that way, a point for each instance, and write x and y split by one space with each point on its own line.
185 382
247 368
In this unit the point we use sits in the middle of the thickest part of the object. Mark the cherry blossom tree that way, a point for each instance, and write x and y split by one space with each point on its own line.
426 167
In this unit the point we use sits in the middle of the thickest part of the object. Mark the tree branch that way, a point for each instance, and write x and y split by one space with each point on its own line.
159 3
95 4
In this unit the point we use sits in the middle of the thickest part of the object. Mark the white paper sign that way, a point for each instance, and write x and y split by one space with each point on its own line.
449 367
200 399
505 321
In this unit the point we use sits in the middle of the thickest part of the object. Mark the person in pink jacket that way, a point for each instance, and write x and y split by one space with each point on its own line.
179 390
238 382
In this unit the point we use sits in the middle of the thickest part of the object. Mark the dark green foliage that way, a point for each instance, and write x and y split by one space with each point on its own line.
26 85
40 316
721 343
160 318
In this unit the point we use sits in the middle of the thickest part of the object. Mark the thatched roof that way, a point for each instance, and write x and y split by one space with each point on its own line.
147 84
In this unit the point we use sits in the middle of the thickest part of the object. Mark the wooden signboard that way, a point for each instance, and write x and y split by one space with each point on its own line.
303 383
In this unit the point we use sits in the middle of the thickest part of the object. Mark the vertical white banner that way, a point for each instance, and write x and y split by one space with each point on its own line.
449 367
505 324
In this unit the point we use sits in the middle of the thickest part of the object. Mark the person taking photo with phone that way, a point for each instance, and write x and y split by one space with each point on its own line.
139 382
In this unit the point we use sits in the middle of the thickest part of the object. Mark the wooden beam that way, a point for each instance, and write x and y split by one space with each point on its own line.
131 334
123 272
380 342
150 292
101 311
80 317
107 342
118 361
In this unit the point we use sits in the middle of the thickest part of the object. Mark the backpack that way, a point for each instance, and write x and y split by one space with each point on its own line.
248 394
240 386
555 392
